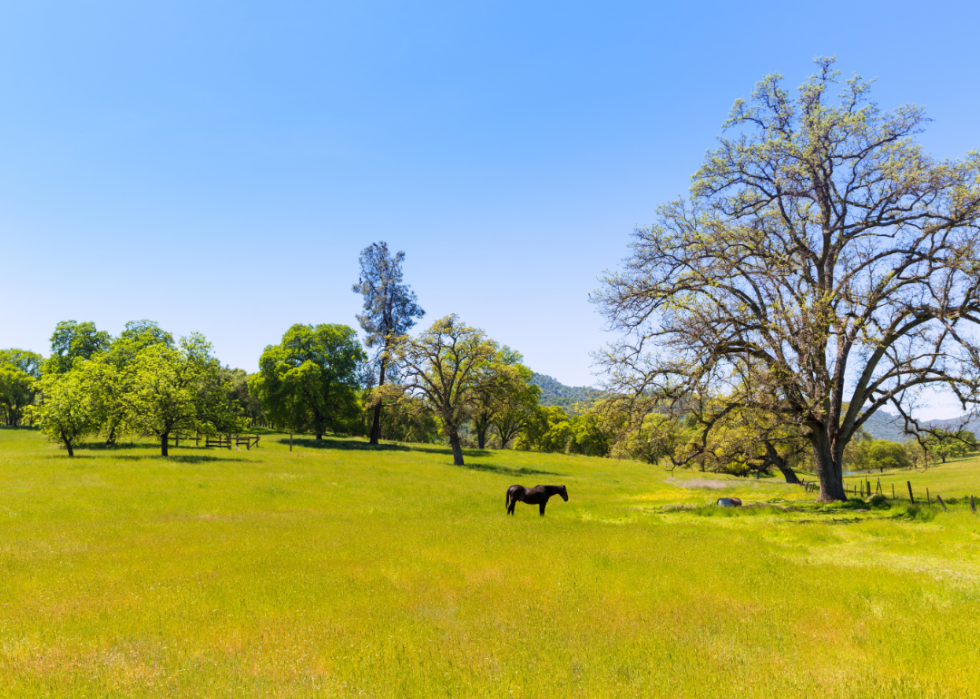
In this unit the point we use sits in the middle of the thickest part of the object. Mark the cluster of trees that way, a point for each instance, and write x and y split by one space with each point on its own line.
19 371
142 382
823 268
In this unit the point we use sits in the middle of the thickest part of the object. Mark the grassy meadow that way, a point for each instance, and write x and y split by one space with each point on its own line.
343 570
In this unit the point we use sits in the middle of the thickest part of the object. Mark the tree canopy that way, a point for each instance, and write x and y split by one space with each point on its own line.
72 340
311 380
442 368
19 370
824 267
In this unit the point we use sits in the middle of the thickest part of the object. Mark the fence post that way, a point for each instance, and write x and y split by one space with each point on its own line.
940 499
928 498
973 505
911 497
290 441
893 491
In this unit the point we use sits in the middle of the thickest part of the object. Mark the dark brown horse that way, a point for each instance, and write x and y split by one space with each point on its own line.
538 495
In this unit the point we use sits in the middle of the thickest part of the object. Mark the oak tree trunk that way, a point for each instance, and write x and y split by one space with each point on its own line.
829 470
71 452
457 448
164 439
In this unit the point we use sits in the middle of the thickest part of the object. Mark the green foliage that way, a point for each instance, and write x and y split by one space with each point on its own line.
945 443
390 310
443 368
656 438
876 455
67 407
547 429
18 371
72 340
247 404
311 380
553 392
506 397
880 502
172 390
406 420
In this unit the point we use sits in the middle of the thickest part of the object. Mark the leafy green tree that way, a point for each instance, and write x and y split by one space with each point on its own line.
946 443
408 420
169 390
72 340
824 268
18 371
549 429
136 336
390 310
66 408
248 404
655 439
505 386
311 380
877 455
514 410
441 368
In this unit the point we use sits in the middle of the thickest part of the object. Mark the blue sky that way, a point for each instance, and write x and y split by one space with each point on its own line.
217 166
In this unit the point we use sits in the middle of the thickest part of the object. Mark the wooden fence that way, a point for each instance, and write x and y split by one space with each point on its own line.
863 489
226 441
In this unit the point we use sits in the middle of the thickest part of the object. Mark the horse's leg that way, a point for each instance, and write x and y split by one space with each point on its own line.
542 507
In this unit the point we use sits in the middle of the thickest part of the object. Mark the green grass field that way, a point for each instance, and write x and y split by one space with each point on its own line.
341 570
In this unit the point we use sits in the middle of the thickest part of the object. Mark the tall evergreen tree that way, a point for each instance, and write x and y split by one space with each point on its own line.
390 309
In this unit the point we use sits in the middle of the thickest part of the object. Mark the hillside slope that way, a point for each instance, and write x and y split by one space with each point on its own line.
553 392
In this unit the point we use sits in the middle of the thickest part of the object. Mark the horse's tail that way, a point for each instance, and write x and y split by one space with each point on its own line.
507 499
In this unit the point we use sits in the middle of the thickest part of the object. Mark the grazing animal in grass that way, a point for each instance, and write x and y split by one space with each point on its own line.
538 495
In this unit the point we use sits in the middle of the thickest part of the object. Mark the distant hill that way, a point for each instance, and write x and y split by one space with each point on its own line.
884 425
881 425
553 392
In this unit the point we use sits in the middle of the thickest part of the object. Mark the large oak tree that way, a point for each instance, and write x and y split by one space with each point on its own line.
442 368
823 268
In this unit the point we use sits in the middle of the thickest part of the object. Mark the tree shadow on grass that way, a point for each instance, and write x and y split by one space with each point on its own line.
506 470
178 458
342 444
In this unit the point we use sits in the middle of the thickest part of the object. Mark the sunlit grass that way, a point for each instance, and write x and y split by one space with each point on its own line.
340 570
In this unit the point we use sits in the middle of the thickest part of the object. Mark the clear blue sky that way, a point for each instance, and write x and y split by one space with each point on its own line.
217 166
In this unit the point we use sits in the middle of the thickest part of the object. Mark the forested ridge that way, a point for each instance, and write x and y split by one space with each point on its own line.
554 392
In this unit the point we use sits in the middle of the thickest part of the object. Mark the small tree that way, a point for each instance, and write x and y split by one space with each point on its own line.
311 380
135 337
170 390
441 367
390 310
66 409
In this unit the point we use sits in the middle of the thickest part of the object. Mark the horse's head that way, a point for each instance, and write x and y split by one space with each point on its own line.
563 493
